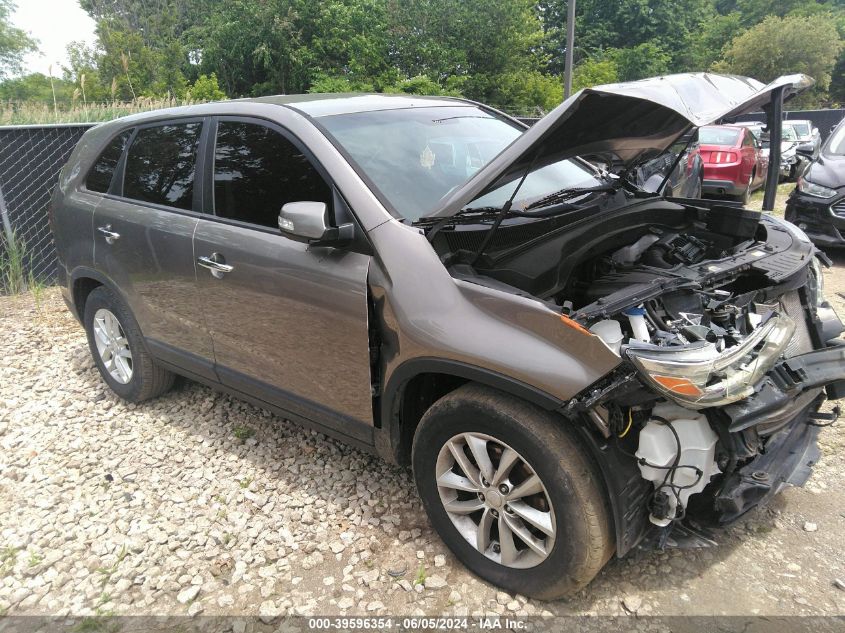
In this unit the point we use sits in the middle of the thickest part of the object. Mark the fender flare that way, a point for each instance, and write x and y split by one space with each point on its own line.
389 414
86 272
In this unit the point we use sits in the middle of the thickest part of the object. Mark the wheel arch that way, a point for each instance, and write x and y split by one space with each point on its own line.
418 383
83 281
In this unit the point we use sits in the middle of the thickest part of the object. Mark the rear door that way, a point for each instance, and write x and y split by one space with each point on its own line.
289 321
143 232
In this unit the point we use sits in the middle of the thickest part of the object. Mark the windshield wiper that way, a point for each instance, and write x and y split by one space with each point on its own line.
573 192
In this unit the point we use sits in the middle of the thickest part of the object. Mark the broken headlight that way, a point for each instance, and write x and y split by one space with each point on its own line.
699 376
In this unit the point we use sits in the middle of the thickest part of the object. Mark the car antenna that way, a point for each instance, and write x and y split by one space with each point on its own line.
503 212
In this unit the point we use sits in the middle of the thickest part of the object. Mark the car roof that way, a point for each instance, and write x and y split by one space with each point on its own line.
312 105
328 104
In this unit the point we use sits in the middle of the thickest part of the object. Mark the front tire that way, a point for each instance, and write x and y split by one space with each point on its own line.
118 349
512 493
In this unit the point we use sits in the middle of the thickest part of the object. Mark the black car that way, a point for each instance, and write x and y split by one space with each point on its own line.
817 205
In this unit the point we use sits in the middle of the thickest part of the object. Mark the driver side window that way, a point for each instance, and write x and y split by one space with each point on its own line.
257 170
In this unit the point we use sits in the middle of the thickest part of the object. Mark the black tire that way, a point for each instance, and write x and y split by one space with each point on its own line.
745 197
584 540
148 380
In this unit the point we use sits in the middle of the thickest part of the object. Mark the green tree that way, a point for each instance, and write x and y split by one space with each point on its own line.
643 60
706 46
205 88
779 46
36 87
14 42
594 71
626 24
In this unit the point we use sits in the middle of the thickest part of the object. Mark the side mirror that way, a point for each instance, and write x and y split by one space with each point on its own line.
815 131
309 222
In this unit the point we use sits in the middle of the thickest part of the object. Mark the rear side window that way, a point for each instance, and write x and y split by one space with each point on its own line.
161 163
257 170
99 178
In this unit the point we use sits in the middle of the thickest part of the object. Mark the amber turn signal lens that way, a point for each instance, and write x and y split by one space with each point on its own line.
681 386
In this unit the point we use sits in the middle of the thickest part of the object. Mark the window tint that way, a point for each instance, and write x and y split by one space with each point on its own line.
99 178
160 165
257 170
718 135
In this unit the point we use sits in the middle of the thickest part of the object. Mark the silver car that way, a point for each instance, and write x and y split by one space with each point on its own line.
570 364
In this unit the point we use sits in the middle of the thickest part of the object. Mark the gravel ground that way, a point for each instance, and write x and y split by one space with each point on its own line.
199 503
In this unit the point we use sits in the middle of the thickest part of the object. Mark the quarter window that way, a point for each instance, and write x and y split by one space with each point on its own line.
99 178
161 163
257 170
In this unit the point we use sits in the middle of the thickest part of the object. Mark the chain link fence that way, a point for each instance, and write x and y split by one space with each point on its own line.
30 160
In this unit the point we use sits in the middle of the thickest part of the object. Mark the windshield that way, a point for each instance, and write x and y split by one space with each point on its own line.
802 129
718 135
836 144
788 133
416 156
565 174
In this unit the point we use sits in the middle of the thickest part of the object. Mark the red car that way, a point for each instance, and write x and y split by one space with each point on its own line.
734 162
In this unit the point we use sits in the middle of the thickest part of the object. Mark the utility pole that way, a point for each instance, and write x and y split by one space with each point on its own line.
570 44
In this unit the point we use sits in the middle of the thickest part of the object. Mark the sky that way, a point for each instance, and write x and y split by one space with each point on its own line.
55 23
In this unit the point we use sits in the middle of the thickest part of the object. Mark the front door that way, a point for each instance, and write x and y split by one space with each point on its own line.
143 234
289 321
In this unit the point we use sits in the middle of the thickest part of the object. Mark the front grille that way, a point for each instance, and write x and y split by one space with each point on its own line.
801 342
839 208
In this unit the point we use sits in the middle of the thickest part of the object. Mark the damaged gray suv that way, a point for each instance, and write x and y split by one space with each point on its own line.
570 364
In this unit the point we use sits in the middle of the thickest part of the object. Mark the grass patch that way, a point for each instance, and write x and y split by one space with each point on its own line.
243 433
33 113
420 579
8 558
13 274
783 191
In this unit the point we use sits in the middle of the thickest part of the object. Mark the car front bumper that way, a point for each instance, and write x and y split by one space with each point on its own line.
818 218
782 411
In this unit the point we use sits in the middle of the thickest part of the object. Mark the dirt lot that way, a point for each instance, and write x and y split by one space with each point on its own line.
197 502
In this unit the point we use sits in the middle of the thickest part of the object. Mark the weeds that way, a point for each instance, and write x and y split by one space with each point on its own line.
8 557
420 579
243 433
36 288
13 274
34 113
34 559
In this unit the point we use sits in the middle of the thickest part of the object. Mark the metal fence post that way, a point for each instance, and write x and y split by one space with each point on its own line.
4 213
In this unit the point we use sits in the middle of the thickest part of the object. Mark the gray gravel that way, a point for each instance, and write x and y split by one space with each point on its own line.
198 503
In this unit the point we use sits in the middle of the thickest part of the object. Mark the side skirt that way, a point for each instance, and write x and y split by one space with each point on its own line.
361 436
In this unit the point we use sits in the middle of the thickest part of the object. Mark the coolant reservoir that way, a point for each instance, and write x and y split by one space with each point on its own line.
658 446
610 332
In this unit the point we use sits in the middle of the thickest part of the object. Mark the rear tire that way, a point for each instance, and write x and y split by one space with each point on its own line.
118 349
571 498
745 197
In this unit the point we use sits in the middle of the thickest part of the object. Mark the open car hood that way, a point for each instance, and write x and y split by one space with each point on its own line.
629 122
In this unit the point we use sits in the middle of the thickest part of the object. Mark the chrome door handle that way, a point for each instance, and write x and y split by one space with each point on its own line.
217 268
111 236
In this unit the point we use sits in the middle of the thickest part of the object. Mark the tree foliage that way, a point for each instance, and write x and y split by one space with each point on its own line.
778 46
505 52
14 42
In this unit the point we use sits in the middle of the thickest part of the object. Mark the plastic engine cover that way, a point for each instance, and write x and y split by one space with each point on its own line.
658 446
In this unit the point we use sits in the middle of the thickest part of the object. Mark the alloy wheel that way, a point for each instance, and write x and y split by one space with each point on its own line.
113 346
496 500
